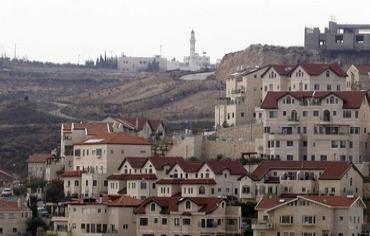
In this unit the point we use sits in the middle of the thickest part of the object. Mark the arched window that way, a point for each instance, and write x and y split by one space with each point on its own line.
187 205
202 190
288 100
152 207
327 73
326 115
331 100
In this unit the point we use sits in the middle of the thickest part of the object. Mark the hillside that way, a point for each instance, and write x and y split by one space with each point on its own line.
258 55
157 95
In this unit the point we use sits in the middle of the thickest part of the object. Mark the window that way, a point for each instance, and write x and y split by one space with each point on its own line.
187 205
152 207
94 182
315 113
15 230
289 143
328 87
143 222
323 157
347 114
286 219
316 87
272 114
177 221
304 113
308 220
186 221
202 190
164 221
143 185
289 157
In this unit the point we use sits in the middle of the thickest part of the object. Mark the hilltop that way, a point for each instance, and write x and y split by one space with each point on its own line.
258 55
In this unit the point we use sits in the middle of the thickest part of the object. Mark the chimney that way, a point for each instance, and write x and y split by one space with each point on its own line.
137 123
19 203
100 199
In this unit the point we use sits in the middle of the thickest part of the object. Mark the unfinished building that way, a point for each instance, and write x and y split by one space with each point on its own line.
338 37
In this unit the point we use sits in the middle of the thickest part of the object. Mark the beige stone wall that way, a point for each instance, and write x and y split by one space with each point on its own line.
211 149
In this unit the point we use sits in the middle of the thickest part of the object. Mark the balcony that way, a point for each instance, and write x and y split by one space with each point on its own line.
237 91
262 225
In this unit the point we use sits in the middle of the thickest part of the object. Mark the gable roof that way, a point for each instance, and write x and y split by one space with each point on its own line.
186 181
233 166
170 204
5 176
132 177
39 157
318 69
71 173
158 161
332 170
92 128
273 202
118 200
351 99
119 138
363 69
283 70
138 123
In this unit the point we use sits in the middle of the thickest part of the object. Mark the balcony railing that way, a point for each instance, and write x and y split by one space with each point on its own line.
262 225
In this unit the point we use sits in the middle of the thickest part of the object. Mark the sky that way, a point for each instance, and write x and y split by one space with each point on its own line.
75 30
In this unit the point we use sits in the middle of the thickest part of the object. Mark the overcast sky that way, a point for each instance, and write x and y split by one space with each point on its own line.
61 30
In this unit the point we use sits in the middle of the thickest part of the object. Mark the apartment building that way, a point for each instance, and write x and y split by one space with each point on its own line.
6 179
73 133
286 178
303 77
316 125
309 215
96 158
106 215
243 94
358 77
170 216
13 217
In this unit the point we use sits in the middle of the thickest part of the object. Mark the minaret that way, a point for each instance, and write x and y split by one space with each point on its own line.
192 44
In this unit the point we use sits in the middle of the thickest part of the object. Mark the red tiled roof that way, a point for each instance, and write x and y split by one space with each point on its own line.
363 69
10 205
318 69
115 138
110 200
5 176
283 70
332 170
351 99
187 181
39 157
234 166
170 204
158 161
132 177
92 128
71 173
269 202
139 122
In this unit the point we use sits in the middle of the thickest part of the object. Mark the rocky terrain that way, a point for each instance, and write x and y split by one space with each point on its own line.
259 55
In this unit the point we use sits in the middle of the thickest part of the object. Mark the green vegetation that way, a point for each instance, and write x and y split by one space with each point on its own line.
54 191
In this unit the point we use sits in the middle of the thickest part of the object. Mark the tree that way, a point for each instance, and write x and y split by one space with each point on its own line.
34 223
54 191
35 183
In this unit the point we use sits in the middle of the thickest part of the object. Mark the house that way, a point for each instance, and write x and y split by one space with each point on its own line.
358 77
187 216
108 215
316 125
37 165
13 217
138 186
143 127
73 133
274 177
309 215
